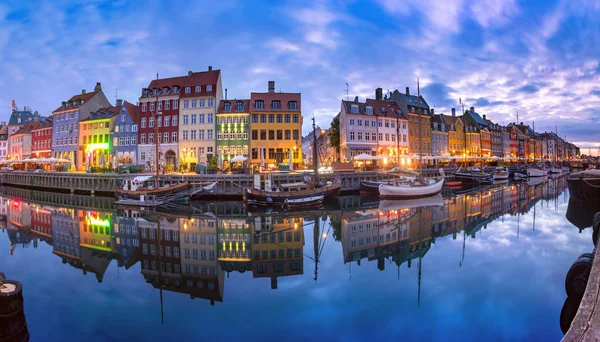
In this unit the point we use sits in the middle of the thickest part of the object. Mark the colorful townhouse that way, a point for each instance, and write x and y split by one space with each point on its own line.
41 139
95 139
125 134
456 134
496 138
20 141
358 130
233 130
276 126
417 110
392 126
479 133
66 122
506 143
159 104
18 119
198 103
439 135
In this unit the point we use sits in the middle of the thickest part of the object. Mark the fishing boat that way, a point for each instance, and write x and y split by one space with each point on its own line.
501 174
419 187
306 193
142 191
584 185
535 172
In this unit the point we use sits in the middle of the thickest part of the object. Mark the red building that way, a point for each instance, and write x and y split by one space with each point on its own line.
41 222
161 96
41 140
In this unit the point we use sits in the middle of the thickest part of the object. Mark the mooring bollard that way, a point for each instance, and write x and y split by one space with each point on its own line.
13 326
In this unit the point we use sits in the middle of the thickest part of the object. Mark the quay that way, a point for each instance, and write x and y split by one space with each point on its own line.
228 185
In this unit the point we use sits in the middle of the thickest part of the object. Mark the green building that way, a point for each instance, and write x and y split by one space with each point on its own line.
233 127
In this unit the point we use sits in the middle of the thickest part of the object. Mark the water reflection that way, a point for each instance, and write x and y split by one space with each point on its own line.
194 251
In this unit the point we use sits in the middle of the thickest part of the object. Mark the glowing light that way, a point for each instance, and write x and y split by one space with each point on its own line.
97 222
98 146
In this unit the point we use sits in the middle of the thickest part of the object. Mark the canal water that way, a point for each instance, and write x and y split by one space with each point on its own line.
481 265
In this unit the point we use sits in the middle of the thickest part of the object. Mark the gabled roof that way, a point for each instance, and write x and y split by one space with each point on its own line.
451 120
361 107
268 97
245 109
477 118
73 101
27 128
25 115
103 113
386 108
44 124
406 100
201 78
132 110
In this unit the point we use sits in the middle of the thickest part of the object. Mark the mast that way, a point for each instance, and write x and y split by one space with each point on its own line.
397 140
420 132
315 155
534 142
464 131
316 239
157 114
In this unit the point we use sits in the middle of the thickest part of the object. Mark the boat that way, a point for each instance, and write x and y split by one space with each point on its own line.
565 169
372 187
555 170
533 172
474 177
144 192
520 175
430 201
453 184
501 174
584 185
203 190
419 187
306 193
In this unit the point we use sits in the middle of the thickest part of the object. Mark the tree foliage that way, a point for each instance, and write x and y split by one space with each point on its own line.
334 134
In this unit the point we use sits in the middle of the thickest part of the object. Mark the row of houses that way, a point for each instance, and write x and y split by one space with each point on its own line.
396 124
190 117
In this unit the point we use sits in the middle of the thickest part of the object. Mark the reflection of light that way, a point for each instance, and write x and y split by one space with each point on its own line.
324 235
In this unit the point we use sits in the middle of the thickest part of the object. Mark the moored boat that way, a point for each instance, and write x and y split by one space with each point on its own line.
372 187
533 172
417 189
584 185
501 175
142 191
474 177
555 170
519 175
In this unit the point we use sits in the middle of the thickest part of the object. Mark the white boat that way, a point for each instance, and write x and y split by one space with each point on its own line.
431 201
533 172
565 169
501 175
417 189
520 175
473 169
555 170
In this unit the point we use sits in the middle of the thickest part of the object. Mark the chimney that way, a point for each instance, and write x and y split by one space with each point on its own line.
190 73
210 68
119 103
407 91
356 99
473 109
271 86
98 86
225 93
453 111
82 91
432 111
484 117
378 94
521 123
64 105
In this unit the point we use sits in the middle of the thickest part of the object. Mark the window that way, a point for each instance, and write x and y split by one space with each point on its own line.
209 118
188 90
166 137
297 134
271 134
359 122
201 105
296 120
198 89
193 103
369 110
186 103
211 102
151 106
167 121
279 118
360 135
151 138
254 134
193 134
167 104
209 88
227 107
263 118
276 104
254 118
151 123
193 119
159 120
293 105
173 137
271 118
144 106
259 104
185 134
351 135
175 104
159 105
201 118
263 134
186 119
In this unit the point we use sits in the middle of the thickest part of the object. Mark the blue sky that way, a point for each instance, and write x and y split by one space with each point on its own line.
537 57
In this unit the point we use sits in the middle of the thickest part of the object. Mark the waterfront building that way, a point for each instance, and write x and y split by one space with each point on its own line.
20 141
233 130
41 140
198 102
94 137
18 119
416 108
125 134
3 141
439 135
234 244
358 130
473 141
276 127
66 119
392 127
478 132
159 104
456 134
506 141
496 138
277 247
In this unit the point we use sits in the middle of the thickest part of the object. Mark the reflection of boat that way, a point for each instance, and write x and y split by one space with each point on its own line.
416 189
535 181
520 175
584 185
555 170
500 181
303 202
579 214
533 172
432 201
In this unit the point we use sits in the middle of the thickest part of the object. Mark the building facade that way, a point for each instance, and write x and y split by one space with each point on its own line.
20 141
456 134
66 119
358 130
41 140
267 151
94 137
439 136
233 130
419 121
199 100
125 134
392 127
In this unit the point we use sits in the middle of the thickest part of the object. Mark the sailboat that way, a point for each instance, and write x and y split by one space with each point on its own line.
421 187
293 195
141 191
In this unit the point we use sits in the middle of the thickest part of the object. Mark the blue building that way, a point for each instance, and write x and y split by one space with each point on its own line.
125 134
66 121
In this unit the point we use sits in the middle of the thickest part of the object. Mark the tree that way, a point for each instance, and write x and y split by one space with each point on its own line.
334 135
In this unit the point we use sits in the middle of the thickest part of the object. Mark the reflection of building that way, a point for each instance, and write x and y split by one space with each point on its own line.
126 239
41 223
277 247
65 236
234 244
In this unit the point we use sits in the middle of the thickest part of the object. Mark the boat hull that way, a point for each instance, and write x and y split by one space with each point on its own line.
555 171
171 193
370 187
277 198
584 188
531 172
501 176
473 178
410 192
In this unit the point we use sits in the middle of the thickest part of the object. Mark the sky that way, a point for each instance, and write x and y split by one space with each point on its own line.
539 59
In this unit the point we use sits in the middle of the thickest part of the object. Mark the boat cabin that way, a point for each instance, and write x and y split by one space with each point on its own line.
263 182
135 183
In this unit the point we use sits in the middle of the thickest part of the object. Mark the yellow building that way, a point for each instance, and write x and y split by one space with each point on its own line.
276 129
94 138
456 134
473 142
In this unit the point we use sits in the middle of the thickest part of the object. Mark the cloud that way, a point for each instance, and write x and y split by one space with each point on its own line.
530 89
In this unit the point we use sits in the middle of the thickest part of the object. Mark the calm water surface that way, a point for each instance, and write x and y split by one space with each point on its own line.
486 265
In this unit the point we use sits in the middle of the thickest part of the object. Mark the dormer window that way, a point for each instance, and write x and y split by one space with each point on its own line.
188 90
176 90
259 104
369 110
209 88
165 90
227 107
276 104
239 106
354 109
198 89
293 105
155 91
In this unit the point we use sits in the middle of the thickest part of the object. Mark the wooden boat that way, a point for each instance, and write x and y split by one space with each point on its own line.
372 187
453 184
584 185
430 201
417 189
501 175
203 190
533 172
307 202
474 177
140 190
